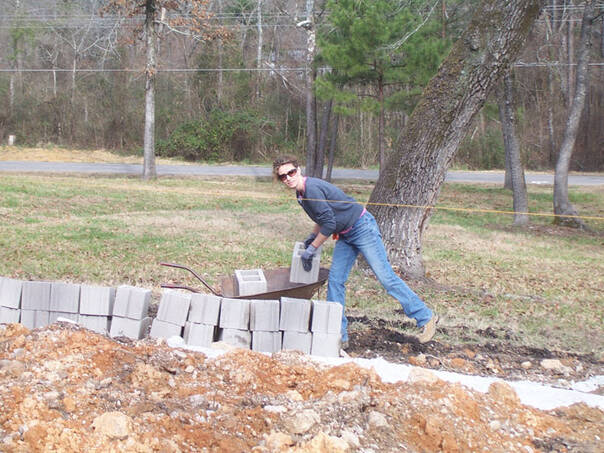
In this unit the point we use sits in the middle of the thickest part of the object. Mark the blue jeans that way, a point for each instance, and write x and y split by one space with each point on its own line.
365 238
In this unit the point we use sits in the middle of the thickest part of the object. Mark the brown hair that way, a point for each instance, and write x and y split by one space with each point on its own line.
283 160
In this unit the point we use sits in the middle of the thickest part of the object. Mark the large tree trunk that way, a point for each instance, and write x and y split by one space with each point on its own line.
562 206
149 170
512 150
416 171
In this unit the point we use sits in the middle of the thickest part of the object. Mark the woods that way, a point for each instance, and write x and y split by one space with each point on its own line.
74 73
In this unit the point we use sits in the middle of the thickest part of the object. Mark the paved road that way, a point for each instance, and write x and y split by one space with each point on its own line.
258 171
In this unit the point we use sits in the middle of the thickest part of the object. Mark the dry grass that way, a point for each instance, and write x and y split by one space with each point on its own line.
56 154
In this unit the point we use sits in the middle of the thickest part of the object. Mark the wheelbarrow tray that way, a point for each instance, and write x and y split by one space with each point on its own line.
277 286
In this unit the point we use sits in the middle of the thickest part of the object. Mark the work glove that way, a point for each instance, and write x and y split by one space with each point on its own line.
307 256
311 237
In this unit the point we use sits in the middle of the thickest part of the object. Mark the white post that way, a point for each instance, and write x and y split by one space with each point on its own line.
11 140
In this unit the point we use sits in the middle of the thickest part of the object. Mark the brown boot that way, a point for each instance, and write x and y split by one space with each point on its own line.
428 330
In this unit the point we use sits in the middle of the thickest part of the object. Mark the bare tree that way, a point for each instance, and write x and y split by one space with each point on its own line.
193 22
505 100
415 172
310 75
149 170
562 207
259 47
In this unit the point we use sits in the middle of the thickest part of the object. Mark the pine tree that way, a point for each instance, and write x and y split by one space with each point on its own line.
391 47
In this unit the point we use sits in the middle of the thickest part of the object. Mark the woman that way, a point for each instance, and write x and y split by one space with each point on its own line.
356 231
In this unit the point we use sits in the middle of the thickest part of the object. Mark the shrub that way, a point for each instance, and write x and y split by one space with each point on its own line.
221 136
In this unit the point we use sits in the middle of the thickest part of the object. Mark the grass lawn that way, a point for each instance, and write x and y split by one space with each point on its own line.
542 286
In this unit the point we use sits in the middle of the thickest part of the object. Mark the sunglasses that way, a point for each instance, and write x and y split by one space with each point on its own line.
291 174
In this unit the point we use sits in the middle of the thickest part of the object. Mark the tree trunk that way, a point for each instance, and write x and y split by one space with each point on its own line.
149 170
562 205
311 122
443 33
323 134
381 152
220 52
550 116
333 136
259 49
570 51
74 66
11 93
416 171
512 149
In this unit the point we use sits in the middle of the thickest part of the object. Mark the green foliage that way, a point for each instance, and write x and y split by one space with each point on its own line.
381 45
220 136
484 151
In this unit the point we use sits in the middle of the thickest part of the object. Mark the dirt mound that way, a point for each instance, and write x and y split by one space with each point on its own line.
498 356
64 388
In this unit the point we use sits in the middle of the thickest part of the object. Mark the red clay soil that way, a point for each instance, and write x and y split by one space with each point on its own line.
66 389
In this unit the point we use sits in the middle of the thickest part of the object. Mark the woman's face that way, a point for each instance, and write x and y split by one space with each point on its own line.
289 175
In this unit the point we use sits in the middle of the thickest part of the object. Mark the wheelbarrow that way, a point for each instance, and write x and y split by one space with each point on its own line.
277 281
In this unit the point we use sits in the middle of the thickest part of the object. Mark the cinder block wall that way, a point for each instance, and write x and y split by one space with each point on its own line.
310 326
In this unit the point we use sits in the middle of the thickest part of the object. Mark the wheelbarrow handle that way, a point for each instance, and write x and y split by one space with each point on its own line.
198 277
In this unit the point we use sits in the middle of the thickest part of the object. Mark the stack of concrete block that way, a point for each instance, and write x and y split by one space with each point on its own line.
295 322
204 312
64 301
235 322
96 307
297 274
171 315
10 300
35 304
250 282
326 328
130 312
264 324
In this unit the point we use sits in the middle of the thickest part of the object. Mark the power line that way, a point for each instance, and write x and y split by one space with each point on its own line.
158 70
293 69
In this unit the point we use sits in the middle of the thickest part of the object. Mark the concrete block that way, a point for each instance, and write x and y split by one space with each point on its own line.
32 319
53 316
326 344
263 341
131 302
64 297
199 334
10 292
36 296
164 329
295 314
297 274
99 324
264 315
250 282
235 314
205 309
174 307
298 341
236 337
9 315
131 328
96 300
326 317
